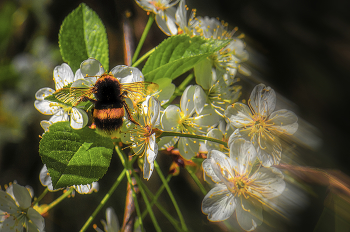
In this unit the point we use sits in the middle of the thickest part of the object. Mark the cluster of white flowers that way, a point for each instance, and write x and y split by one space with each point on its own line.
242 173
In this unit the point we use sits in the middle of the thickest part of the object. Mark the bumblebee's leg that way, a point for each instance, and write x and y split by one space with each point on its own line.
124 94
84 99
129 114
93 125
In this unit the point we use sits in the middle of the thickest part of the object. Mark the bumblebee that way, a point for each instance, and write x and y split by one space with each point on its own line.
108 97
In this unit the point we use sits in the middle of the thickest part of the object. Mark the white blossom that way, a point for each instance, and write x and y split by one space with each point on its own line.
164 11
260 124
63 76
240 186
17 213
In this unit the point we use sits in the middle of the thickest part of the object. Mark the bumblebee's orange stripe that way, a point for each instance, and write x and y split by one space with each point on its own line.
113 113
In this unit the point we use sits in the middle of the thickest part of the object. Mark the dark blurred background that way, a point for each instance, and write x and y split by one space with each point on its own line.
299 48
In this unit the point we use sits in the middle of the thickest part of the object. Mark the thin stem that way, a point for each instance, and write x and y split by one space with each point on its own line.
143 37
195 178
143 57
148 205
41 196
185 82
179 134
183 224
58 200
104 200
155 197
174 222
123 161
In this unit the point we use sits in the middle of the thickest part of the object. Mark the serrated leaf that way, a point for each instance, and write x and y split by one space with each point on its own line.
74 157
178 54
83 35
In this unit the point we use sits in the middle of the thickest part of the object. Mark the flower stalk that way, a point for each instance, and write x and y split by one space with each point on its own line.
58 200
104 200
41 196
145 56
178 134
143 37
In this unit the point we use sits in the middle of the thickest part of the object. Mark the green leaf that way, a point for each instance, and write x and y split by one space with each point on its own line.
74 157
178 54
83 35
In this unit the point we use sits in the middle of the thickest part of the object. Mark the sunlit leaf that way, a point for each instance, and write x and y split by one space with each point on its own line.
74 157
178 54
83 35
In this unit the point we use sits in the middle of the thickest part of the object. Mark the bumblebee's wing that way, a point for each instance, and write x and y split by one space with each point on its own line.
137 91
73 95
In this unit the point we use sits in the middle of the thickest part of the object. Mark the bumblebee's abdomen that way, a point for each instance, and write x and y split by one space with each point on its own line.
108 120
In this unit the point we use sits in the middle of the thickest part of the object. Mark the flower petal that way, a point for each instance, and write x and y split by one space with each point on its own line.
270 151
85 83
151 110
239 115
60 116
112 220
268 183
91 67
7 203
43 92
263 100
150 156
166 142
146 5
181 14
203 73
36 218
11 224
199 98
188 147
22 196
248 212
79 118
284 121
206 120
45 125
87 188
235 135
216 134
163 95
208 170
46 107
219 203
186 102
63 75
243 155
222 166
170 20
171 118
161 21
126 74
45 178
78 75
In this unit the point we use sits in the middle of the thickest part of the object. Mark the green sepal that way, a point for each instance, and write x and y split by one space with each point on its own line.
178 54
74 157
83 35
